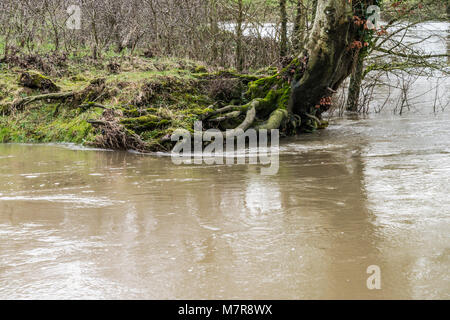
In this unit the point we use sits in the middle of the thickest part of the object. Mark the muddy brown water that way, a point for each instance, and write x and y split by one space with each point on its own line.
77 223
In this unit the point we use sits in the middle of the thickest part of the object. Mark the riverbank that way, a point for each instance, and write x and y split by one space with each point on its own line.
126 102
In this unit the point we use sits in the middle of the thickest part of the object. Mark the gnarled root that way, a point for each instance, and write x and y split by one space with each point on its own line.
21 104
227 116
247 123
275 120
92 92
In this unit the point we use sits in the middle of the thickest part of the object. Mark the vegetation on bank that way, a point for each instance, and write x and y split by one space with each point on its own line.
123 102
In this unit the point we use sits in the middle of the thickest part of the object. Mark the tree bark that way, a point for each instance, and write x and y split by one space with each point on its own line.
239 35
314 8
329 54
299 26
355 85
284 22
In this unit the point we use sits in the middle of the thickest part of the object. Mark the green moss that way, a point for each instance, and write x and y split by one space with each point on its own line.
274 94
141 120
264 72
77 78
76 131
5 134
284 94
152 110
323 125
275 120
42 125
261 87
132 112
153 135
144 123
200 69
35 80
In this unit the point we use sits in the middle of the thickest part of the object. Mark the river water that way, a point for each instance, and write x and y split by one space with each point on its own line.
77 223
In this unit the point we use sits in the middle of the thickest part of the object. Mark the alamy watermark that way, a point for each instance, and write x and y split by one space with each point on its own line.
230 147
373 20
74 20
374 281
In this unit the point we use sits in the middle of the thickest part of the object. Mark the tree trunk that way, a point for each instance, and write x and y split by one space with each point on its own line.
314 8
299 26
329 55
448 32
354 88
239 34
284 22
214 32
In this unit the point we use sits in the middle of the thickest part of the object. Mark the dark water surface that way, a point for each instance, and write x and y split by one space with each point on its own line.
78 223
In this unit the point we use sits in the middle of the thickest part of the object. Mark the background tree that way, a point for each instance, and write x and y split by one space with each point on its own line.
284 29
389 49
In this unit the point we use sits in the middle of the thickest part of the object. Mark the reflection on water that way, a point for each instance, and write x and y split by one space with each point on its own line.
94 224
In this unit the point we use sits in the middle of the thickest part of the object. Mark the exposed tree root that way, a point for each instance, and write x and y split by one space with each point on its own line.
221 111
275 120
91 93
249 118
115 136
92 105
313 117
227 116
21 104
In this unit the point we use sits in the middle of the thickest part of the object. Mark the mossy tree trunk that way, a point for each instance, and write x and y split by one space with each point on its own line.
329 53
